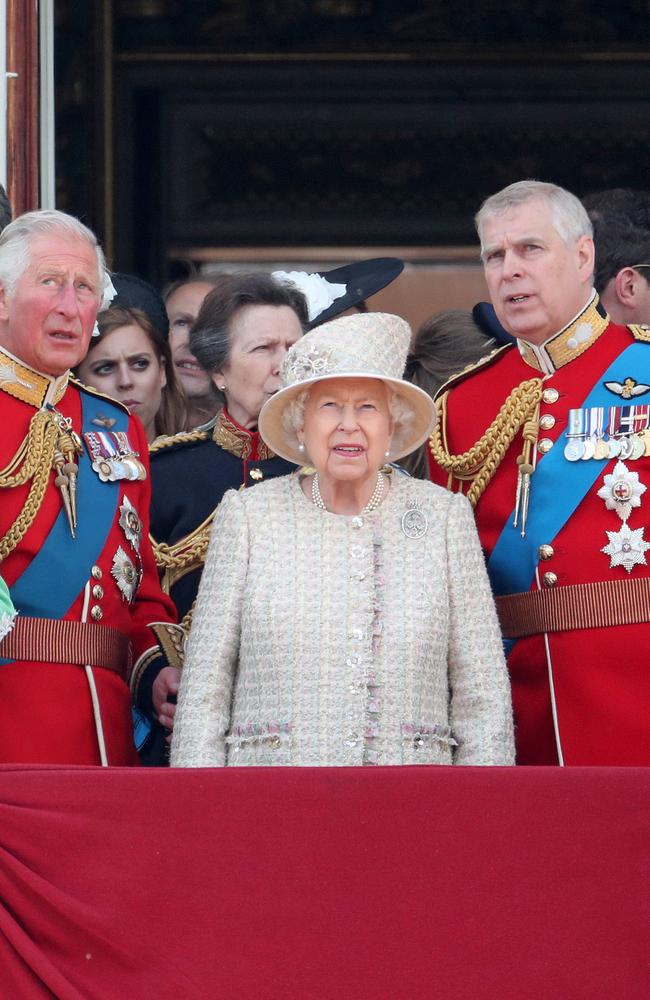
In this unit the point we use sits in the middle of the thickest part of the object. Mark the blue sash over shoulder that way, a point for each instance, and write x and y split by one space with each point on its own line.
58 573
558 487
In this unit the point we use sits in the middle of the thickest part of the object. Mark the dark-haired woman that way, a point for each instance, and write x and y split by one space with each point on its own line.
130 360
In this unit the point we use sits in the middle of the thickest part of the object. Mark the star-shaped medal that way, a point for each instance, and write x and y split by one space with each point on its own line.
125 574
130 523
626 548
622 490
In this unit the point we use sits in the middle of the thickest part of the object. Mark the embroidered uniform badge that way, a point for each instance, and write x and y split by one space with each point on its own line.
628 388
102 421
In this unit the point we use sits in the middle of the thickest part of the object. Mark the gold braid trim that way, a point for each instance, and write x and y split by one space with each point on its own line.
481 461
189 549
182 437
36 453
187 554
186 622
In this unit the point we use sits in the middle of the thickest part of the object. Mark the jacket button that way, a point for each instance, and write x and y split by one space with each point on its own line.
544 445
98 592
546 551
96 612
550 579
547 421
550 395
96 573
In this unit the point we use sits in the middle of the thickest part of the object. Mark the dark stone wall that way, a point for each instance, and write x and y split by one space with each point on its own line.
341 122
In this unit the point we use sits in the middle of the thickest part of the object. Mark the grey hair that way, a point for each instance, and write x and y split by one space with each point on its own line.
569 216
16 238
401 412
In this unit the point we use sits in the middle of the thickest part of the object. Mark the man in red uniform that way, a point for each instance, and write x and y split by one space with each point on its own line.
550 439
74 512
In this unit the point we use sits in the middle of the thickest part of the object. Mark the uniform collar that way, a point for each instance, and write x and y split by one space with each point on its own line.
239 441
29 385
572 341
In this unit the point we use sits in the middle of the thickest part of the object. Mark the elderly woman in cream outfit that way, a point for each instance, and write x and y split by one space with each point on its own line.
344 616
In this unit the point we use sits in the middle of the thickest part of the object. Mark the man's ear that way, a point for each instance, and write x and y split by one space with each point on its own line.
4 305
586 257
626 284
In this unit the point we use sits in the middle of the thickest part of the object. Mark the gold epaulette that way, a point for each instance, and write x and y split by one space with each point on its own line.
483 362
640 331
95 392
182 437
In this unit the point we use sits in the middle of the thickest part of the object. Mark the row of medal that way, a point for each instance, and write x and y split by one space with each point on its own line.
113 456
606 432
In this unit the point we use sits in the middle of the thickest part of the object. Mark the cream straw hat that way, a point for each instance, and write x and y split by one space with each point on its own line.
365 345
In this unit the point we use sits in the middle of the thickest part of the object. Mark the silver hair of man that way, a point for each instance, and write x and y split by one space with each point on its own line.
16 238
401 413
568 214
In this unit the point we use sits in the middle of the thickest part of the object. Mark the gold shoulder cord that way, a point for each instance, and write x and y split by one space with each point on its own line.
183 556
36 455
480 462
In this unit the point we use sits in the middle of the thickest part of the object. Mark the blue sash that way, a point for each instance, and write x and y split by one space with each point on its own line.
51 583
557 488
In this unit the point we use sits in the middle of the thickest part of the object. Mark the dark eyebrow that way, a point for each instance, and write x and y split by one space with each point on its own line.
130 357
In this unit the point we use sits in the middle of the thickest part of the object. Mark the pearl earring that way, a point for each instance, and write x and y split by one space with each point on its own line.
386 454
222 388
301 447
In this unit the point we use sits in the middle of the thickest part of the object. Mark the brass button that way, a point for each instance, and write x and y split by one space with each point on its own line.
550 579
547 421
96 573
550 395
546 551
544 445
96 612
98 592
275 742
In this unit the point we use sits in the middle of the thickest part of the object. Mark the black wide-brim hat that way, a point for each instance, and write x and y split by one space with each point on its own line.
136 293
362 279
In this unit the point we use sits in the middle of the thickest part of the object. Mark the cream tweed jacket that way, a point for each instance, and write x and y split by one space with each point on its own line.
320 639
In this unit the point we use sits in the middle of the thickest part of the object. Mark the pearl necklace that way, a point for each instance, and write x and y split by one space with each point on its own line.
375 499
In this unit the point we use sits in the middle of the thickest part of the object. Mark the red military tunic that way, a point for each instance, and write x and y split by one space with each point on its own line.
581 696
46 709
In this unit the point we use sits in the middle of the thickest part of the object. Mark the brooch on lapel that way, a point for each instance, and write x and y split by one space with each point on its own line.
414 522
